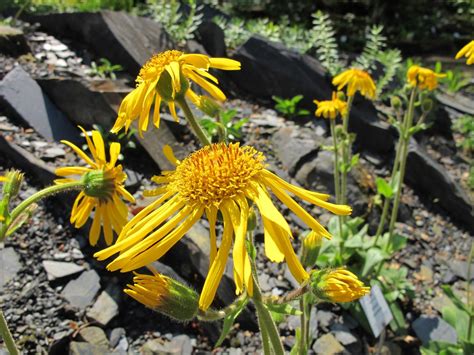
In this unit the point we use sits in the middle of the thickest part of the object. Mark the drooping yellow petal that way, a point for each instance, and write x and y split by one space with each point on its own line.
224 64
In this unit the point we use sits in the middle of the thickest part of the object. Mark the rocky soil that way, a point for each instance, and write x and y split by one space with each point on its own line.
58 299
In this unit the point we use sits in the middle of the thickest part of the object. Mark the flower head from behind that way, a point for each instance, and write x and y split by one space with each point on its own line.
338 285
355 80
468 52
331 108
165 77
218 179
103 193
423 78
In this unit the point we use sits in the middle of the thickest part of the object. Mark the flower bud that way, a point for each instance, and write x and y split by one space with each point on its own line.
252 220
311 246
99 183
426 105
341 95
337 285
13 180
395 102
209 106
165 295
167 89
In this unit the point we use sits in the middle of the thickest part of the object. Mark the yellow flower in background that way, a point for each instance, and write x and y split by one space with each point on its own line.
331 108
104 191
339 285
163 294
164 78
423 78
217 178
355 80
468 52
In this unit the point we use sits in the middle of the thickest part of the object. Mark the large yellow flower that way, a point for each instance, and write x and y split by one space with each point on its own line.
355 80
468 52
423 78
165 77
218 178
331 108
103 192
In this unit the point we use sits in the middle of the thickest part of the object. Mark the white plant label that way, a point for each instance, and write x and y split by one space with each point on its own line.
376 310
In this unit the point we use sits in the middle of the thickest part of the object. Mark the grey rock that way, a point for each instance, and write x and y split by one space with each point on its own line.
326 318
160 347
9 264
53 153
81 291
293 146
58 269
343 334
118 30
460 269
104 309
80 348
115 335
23 99
94 335
327 345
457 101
184 343
12 41
434 182
434 328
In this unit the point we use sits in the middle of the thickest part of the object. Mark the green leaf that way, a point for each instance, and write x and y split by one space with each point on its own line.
229 321
458 319
398 323
373 257
283 309
355 160
455 299
441 348
398 243
383 188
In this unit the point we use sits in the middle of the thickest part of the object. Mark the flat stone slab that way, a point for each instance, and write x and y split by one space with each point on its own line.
104 309
434 328
60 269
24 100
9 265
81 291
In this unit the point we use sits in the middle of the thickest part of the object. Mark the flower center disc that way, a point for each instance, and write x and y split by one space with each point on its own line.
215 173
156 65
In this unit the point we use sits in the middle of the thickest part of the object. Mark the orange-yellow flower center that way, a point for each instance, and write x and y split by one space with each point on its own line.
215 173
156 65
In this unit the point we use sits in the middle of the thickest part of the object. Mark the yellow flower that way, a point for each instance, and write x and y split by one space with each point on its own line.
468 52
423 78
103 190
164 294
217 178
355 80
339 285
165 77
330 108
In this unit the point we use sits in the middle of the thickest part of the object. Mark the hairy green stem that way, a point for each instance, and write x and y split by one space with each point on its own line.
346 151
304 331
212 315
470 305
195 126
290 296
47 191
7 335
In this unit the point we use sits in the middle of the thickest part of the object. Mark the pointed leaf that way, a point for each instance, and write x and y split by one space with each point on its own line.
229 321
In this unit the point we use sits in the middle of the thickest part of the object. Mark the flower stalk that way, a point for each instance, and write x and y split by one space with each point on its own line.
188 114
7 336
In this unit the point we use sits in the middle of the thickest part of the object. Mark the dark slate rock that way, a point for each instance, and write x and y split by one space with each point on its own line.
457 101
81 291
211 36
434 329
86 102
13 42
293 146
24 99
123 38
9 265
460 269
104 309
434 182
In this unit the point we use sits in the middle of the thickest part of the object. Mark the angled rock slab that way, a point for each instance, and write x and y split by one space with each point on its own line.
9 265
12 41
81 291
59 269
104 309
124 39
24 100
434 329
433 181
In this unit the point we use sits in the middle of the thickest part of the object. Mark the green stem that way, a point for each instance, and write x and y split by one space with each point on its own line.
470 305
7 336
221 129
264 335
346 151
212 315
47 191
337 186
196 128
304 331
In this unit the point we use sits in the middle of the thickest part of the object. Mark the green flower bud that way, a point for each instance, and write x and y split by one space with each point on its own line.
311 247
395 102
252 220
13 180
165 295
209 106
426 105
341 95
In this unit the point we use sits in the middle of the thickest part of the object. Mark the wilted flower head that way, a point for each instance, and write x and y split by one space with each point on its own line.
355 80
165 295
339 285
103 191
218 178
468 52
331 108
165 77
423 78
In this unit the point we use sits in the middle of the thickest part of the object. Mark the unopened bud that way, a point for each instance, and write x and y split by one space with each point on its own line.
426 105
209 106
165 295
166 89
12 184
311 247
337 285
252 220
341 96
395 102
